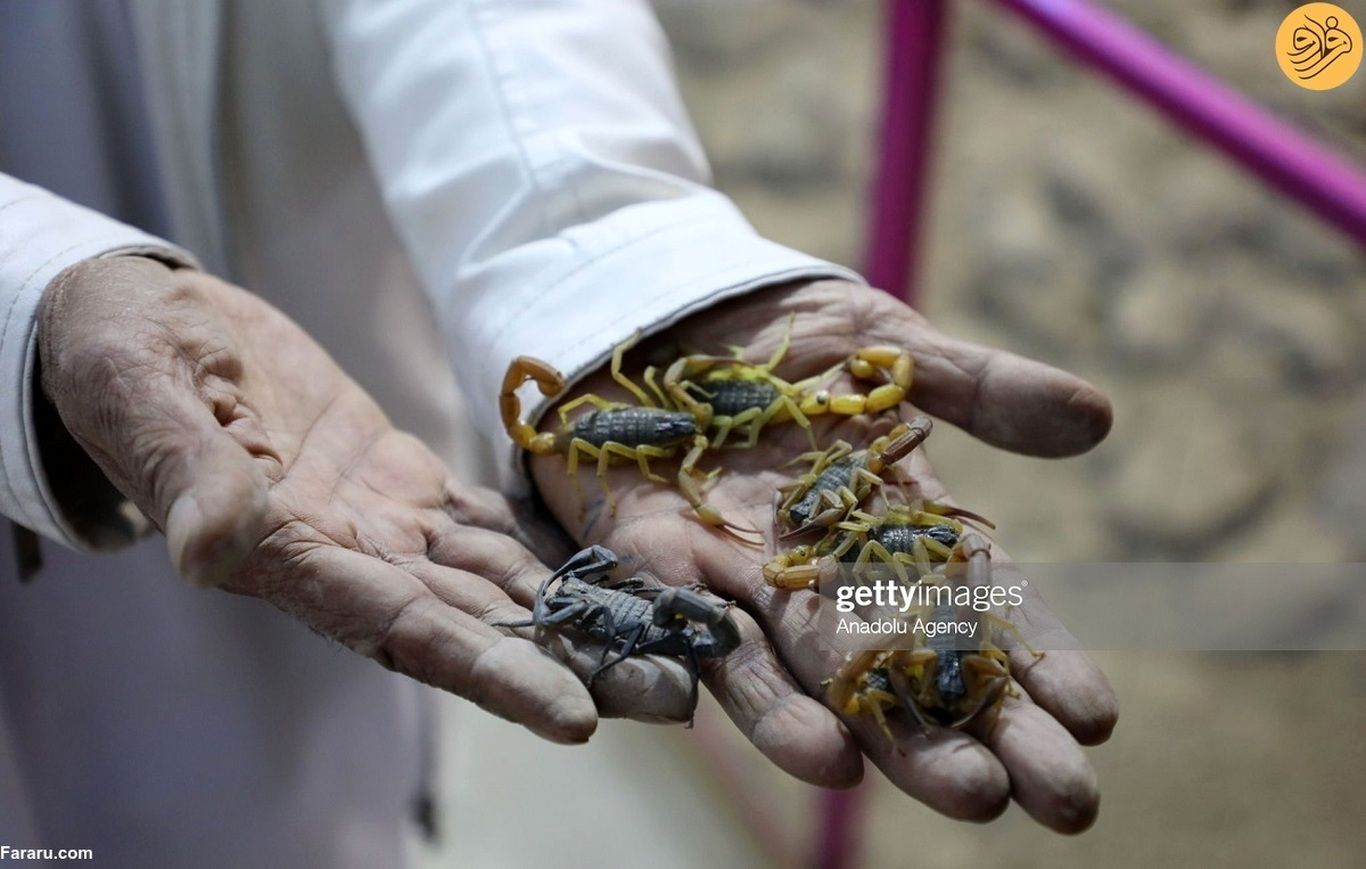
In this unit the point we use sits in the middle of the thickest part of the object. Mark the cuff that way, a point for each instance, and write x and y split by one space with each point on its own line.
40 235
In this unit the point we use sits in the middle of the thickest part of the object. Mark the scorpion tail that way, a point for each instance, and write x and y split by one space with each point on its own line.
977 553
953 512
899 443
721 636
550 382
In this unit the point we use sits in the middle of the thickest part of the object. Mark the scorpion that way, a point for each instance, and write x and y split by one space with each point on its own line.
747 397
936 681
615 429
840 478
631 618
906 535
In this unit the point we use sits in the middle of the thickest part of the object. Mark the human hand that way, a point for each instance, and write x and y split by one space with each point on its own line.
768 686
275 476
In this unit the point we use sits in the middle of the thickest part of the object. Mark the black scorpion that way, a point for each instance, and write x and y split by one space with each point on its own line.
629 617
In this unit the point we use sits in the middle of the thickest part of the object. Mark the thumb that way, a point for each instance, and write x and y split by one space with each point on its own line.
136 358
215 497
1007 400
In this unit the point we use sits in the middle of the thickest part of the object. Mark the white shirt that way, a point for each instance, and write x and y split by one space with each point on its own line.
524 170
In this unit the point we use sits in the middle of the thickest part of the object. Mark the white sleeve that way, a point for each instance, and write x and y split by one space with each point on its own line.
539 165
40 235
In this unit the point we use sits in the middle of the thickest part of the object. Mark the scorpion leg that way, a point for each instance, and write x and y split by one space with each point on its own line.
873 705
842 688
539 609
609 629
587 562
862 479
548 619
873 549
901 687
724 425
695 672
997 679
577 446
783 402
641 455
653 384
676 385
1007 627
604 461
831 509
621 378
822 459
688 486
783 345
920 551
588 398
629 645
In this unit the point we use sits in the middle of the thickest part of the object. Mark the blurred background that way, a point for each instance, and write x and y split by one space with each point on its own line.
1069 224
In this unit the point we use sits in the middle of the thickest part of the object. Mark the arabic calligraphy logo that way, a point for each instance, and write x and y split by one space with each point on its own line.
1319 46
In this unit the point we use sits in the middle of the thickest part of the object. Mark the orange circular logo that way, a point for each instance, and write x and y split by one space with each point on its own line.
1318 46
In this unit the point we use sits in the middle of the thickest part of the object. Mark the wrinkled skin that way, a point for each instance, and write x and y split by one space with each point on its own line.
768 686
274 475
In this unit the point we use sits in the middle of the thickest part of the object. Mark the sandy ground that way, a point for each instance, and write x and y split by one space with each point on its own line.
1069 225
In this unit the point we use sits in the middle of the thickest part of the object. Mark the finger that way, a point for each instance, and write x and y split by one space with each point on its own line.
1049 775
217 503
949 772
1065 682
502 561
1069 686
794 731
649 688
799 734
1004 399
521 520
946 770
385 613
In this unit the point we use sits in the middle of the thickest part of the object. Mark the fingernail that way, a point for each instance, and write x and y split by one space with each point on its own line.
574 718
204 559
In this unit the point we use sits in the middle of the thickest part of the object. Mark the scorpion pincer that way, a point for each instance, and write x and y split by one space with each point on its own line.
631 618
616 430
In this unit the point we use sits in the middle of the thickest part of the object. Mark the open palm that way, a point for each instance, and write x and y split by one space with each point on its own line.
275 475
768 686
